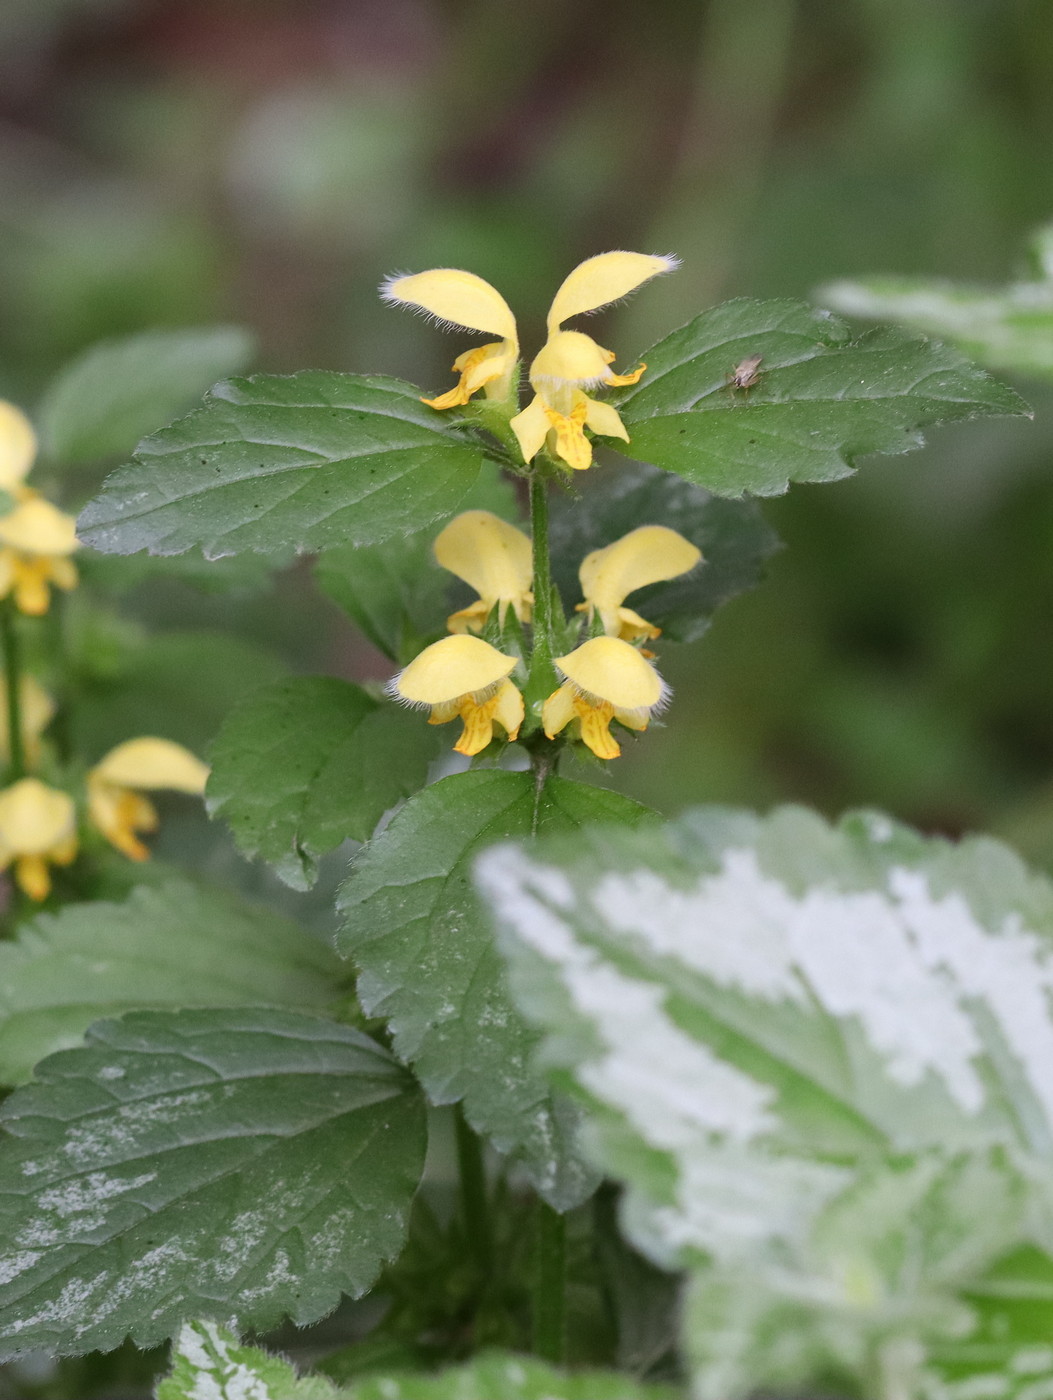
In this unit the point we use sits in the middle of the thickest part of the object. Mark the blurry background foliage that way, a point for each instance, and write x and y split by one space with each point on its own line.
267 162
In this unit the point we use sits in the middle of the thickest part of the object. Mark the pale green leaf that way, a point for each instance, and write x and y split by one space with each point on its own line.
210 1363
822 399
1008 329
227 1164
275 464
733 536
428 964
300 766
114 393
173 945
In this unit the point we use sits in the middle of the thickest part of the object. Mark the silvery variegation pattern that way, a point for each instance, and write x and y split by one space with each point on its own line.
822 1060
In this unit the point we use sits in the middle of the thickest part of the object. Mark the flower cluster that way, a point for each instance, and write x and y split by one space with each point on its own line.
607 677
39 824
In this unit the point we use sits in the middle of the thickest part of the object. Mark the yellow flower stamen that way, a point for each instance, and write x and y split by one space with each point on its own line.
605 679
466 302
463 677
115 802
37 829
496 559
649 554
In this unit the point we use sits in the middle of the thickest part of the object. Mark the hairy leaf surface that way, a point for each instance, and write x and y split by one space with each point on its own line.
429 966
310 762
286 463
246 1164
175 945
822 398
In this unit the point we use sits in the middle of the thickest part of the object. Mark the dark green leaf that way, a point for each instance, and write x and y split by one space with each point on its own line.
286 463
244 1164
305 764
822 398
114 393
176 945
428 963
733 536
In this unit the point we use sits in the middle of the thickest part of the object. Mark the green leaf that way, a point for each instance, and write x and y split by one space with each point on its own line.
819 1057
246 1164
210 1364
428 963
822 399
733 536
286 463
305 764
114 393
395 591
176 945
1007 329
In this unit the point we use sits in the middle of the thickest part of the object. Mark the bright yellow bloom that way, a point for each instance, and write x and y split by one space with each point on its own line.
38 827
36 540
116 783
464 301
463 677
570 362
604 679
18 446
38 710
650 554
495 558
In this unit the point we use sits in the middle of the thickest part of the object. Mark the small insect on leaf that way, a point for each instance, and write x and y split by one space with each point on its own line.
745 374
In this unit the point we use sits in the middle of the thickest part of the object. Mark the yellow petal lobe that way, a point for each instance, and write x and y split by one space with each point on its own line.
572 357
602 279
152 763
451 668
607 669
34 818
571 443
531 428
649 554
457 297
491 555
37 527
18 446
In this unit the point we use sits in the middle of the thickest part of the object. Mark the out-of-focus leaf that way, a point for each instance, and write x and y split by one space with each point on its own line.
113 394
305 764
278 464
235 1164
822 398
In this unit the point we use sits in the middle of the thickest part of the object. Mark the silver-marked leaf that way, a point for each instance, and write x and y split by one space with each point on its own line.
279 463
428 963
300 766
114 393
733 536
174 945
247 1164
819 1057
208 1363
821 400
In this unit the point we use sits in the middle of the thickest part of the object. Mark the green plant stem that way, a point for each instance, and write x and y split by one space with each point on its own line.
550 1285
9 639
543 638
475 1203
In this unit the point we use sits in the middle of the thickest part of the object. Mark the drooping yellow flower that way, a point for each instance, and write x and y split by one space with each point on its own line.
38 828
570 361
649 554
18 446
465 302
495 558
36 541
116 783
604 679
38 710
465 677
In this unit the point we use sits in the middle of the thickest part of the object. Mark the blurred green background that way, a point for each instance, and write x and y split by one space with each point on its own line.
269 161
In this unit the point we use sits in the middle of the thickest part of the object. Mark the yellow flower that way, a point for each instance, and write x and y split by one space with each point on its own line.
18 446
36 540
604 679
570 362
495 558
38 826
649 554
38 710
116 783
464 301
463 677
